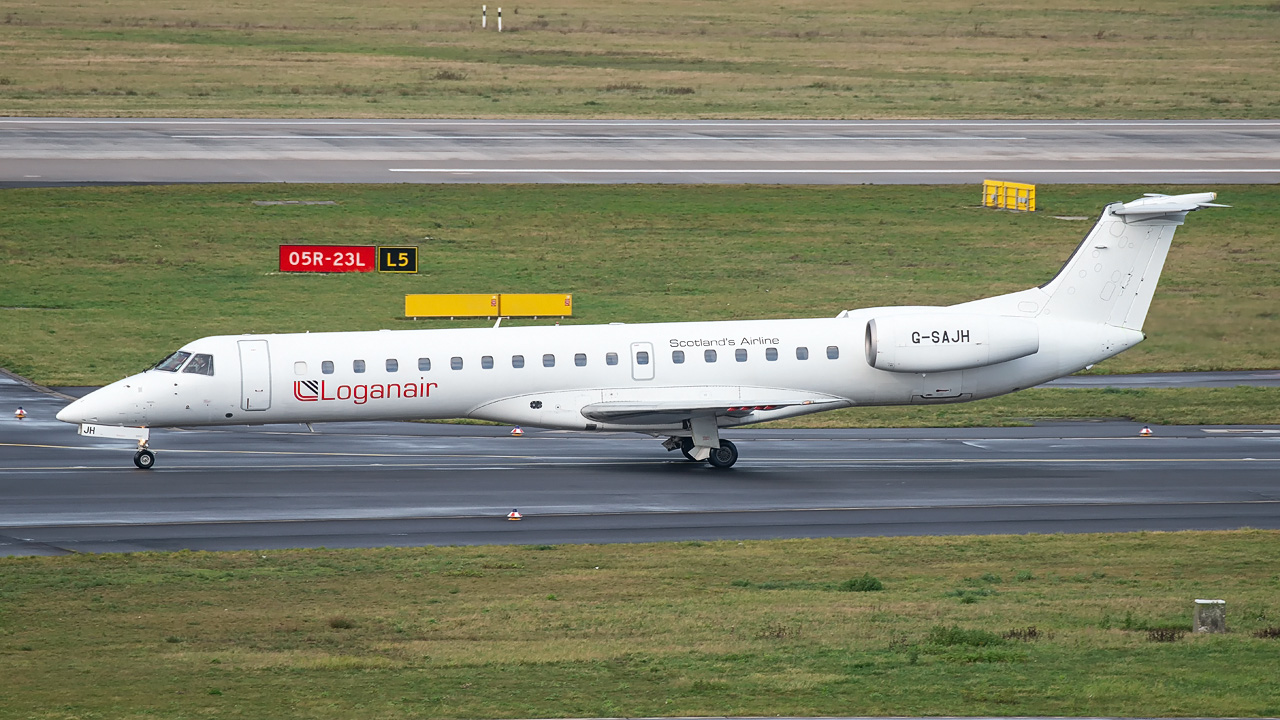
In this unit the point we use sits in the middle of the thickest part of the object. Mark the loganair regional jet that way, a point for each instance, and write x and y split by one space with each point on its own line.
682 381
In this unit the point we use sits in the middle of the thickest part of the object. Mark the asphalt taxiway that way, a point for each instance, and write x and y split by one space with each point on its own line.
376 484
67 151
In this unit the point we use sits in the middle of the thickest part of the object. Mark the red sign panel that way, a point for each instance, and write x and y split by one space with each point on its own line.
328 258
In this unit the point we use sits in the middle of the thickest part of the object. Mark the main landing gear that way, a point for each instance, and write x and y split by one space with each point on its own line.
722 457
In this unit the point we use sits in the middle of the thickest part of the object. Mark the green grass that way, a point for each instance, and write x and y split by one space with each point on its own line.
752 628
100 282
1181 406
662 59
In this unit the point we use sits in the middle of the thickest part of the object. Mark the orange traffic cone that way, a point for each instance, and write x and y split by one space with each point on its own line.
517 432
19 413
514 515
1145 431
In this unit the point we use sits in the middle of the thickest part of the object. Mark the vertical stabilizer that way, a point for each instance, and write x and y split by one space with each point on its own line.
1112 276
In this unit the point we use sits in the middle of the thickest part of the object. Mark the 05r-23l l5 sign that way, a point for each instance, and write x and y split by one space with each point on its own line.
347 258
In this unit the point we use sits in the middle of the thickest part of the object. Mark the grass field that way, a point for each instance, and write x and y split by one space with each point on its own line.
754 628
663 58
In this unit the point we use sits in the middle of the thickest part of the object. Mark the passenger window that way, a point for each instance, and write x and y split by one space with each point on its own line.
486 362
740 354
173 362
580 359
326 367
709 355
833 352
299 368
548 360
517 361
771 354
424 364
802 353
357 366
677 356
455 363
393 365
611 359
201 364
642 357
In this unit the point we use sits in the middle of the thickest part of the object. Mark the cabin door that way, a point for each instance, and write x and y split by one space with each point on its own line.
255 375
641 361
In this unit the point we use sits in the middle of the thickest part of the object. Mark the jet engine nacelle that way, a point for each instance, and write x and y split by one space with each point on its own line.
937 342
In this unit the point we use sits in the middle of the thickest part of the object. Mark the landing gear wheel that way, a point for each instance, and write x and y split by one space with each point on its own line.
144 459
724 456
686 448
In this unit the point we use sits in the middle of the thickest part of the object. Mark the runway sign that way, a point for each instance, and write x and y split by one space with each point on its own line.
1008 195
327 258
398 259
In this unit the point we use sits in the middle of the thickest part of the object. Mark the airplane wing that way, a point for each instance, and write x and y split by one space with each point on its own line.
659 411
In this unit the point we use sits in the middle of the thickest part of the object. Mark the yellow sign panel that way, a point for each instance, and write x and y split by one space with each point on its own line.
1008 195
540 305
517 305
436 306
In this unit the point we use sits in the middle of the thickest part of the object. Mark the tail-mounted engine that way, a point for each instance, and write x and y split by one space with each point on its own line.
937 342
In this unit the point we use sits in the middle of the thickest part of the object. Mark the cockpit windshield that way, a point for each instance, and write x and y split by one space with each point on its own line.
173 362
201 364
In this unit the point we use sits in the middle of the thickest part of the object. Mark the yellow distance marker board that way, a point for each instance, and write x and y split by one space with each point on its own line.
450 306
398 259
535 305
504 305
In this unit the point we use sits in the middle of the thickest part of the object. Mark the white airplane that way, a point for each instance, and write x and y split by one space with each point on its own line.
684 381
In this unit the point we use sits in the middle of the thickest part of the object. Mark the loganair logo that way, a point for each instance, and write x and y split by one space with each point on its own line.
317 390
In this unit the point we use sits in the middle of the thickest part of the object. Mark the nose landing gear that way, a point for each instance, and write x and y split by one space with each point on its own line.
144 458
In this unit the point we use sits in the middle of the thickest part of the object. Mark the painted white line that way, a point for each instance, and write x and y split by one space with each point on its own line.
828 171
654 123
647 138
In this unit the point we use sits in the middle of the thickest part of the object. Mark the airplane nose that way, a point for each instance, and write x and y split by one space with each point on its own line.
73 413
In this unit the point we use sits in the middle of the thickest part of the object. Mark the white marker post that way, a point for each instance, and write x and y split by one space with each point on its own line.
499 19
484 16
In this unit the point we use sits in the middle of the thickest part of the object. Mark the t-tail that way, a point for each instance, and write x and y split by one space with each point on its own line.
1112 276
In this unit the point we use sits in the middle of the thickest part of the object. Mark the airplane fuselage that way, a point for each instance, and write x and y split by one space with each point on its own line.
545 376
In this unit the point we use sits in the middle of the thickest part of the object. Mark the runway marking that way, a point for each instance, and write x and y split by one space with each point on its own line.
636 513
648 138
826 171
545 462
651 123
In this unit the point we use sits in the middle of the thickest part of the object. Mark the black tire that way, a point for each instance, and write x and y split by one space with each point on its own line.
686 448
144 459
725 456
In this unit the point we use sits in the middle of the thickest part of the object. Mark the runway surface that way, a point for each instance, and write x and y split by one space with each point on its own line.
59 151
377 484
1220 379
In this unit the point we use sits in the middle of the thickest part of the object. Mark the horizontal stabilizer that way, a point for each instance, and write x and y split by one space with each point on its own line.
1160 205
649 412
